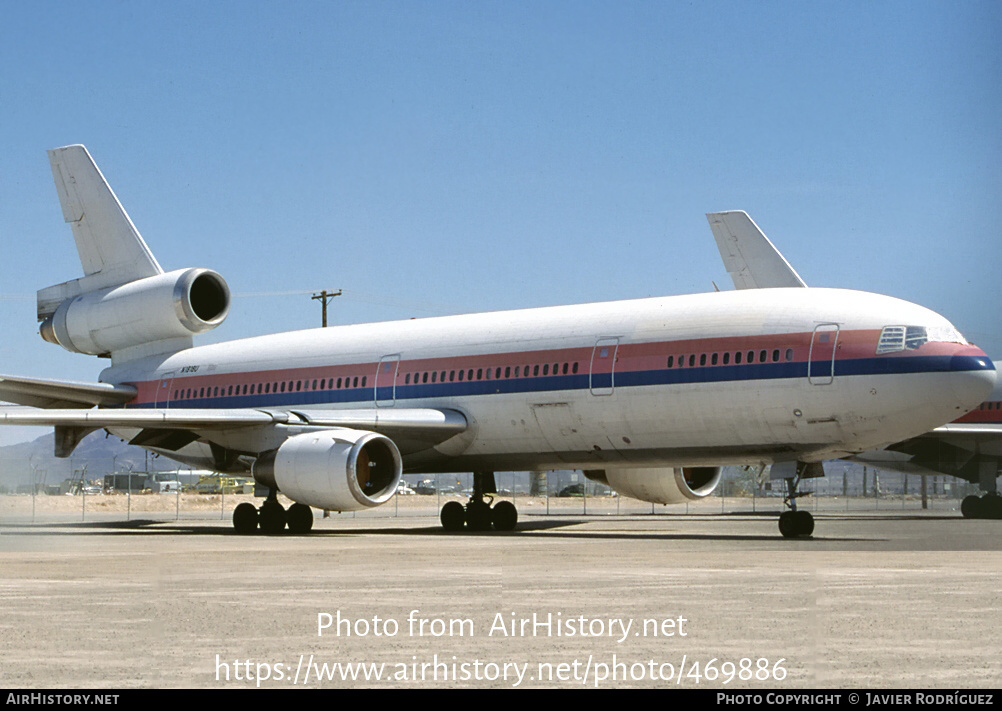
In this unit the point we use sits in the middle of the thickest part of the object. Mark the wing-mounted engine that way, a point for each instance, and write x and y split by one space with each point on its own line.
178 304
337 470
666 485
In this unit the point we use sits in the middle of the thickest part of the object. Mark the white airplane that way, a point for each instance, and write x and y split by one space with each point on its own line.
652 396
968 448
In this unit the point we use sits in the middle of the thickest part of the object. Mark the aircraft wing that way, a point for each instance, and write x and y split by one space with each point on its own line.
412 429
751 259
413 420
37 392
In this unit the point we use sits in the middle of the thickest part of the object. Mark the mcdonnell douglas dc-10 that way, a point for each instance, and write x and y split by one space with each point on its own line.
651 396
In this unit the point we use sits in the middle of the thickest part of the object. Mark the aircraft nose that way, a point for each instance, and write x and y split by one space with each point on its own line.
974 376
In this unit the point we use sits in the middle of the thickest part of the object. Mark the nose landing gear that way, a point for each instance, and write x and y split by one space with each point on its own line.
796 523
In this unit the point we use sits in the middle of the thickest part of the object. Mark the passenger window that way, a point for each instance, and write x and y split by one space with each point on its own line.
565 368
364 378
702 359
461 376
692 360
546 369
775 356
789 355
507 371
761 357
713 359
737 358
727 358
535 370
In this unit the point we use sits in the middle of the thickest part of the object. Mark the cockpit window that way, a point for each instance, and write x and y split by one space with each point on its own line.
899 338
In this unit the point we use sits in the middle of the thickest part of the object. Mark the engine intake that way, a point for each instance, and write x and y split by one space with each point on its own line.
177 304
338 470
665 485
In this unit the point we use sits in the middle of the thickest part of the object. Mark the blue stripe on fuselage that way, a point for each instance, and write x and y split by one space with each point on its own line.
674 376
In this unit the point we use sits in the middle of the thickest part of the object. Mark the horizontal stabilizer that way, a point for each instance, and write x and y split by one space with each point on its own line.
750 258
48 394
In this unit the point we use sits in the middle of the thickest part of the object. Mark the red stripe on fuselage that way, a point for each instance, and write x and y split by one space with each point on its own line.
630 357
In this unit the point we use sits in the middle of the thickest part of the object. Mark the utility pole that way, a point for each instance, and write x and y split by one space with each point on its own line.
325 297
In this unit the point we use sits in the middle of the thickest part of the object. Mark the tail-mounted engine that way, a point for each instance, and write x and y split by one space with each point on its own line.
670 485
178 304
337 470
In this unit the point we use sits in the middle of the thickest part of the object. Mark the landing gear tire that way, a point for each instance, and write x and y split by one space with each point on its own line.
796 524
788 524
453 516
504 516
300 518
971 507
245 519
272 517
805 523
991 506
478 516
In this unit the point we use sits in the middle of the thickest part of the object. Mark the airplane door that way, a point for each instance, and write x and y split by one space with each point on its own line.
162 398
821 361
386 380
602 379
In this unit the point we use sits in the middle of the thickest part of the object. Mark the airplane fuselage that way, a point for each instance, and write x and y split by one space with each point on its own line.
720 378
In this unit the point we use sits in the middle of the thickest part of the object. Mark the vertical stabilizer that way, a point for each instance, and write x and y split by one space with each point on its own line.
112 252
750 258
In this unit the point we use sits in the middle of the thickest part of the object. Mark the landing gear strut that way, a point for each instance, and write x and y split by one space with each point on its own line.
479 514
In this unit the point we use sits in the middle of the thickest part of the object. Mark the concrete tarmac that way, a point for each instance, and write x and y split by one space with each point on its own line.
874 600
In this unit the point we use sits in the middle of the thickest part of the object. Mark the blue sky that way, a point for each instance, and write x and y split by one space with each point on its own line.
447 157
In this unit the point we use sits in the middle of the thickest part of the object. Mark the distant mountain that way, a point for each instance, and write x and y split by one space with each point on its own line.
98 453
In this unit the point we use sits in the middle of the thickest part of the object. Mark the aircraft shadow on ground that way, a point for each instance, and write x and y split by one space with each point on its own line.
550 528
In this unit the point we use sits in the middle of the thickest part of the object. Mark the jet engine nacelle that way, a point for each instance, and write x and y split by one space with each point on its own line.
667 485
177 304
337 470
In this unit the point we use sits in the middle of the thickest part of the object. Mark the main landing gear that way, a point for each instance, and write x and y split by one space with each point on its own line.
272 517
479 514
987 506
796 523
